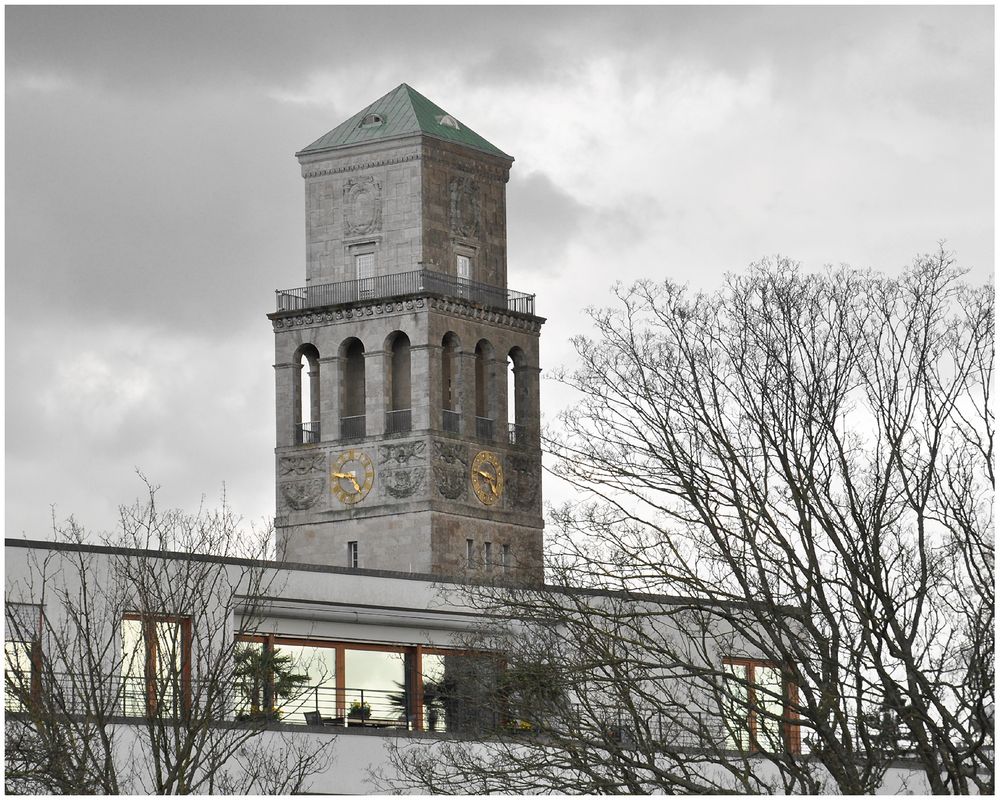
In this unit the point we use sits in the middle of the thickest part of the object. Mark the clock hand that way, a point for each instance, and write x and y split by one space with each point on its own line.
349 476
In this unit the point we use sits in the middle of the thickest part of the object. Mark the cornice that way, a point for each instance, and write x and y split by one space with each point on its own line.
309 318
381 162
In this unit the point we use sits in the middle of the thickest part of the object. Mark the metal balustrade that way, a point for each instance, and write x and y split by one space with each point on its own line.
399 421
484 429
352 427
403 284
451 421
307 433
517 435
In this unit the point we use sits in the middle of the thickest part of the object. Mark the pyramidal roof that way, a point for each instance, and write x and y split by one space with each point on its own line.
402 112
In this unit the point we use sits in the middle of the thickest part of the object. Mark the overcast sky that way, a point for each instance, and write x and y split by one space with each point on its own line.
153 202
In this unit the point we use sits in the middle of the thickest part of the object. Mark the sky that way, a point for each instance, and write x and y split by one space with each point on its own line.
153 202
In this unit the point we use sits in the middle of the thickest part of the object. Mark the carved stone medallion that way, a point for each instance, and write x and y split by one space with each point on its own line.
400 483
464 192
524 480
362 206
450 463
301 495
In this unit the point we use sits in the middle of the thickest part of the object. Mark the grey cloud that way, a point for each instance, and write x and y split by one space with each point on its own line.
542 219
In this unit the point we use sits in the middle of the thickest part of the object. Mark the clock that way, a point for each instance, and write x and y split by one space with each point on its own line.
487 477
352 477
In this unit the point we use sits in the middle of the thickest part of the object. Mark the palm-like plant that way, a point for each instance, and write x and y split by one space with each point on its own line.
262 676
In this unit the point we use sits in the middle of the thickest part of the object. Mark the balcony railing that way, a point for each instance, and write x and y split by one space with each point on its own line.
517 435
398 421
451 420
352 427
484 429
307 433
402 284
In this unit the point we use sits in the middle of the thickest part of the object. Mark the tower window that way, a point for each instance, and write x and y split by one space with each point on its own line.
464 269
364 270
352 555
505 556
448 121
488 554
372 121
470 553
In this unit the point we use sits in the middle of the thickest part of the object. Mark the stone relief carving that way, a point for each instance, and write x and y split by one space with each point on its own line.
451 462
362 206
302 465
301 495
464 192
524 477
400 483
399 455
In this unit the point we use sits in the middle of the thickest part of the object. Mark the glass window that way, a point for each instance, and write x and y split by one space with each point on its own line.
464 269
22 654
375 687
317 692
352 555
155 665
756 701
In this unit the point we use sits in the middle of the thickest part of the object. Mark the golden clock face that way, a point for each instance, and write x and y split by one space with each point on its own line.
487 477
352 477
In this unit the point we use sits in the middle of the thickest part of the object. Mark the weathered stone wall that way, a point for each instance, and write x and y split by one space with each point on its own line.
367 199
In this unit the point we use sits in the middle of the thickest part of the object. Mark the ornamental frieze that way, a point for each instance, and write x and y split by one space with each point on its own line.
302 465
399 455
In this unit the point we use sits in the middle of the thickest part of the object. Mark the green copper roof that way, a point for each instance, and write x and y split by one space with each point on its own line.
404 111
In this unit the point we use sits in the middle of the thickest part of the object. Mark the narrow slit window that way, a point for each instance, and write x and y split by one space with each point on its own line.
352 555
488 554
470 552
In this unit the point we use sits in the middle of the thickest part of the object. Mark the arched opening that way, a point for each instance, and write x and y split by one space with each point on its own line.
305 395
397 415
352 389
517 397
450 375
485 390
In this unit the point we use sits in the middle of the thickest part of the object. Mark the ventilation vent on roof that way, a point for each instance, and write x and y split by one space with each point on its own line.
449 122
372 121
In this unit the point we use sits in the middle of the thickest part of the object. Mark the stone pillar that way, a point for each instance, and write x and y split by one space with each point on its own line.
375 400
286 404
329 395
467 392
422 386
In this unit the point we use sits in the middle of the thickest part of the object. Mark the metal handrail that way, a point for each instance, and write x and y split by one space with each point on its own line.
401 284
484 429
398 421
352 427
451 420
307 433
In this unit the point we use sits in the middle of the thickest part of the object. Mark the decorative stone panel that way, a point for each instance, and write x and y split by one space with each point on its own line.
451 463
464 193
362 206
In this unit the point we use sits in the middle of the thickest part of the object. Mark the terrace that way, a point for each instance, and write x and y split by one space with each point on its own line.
420 282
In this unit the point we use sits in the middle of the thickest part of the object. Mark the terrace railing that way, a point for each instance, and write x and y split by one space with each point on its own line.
403 284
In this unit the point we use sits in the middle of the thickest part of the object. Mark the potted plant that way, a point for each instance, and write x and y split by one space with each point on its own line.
359 710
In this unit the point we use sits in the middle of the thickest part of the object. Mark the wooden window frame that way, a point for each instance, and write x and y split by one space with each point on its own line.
789 728
149 637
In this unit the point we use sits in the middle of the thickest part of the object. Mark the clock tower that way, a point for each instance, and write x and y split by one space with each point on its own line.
406 370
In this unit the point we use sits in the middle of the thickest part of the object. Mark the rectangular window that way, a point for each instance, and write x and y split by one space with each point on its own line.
470 553
759 709
364 269
352 555
22 655
464 269
505 556
488 554
156 665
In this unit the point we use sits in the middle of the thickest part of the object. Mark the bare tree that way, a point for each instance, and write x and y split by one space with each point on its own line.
121 662
780 572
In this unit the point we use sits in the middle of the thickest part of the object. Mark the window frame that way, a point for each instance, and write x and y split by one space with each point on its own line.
789 731
149 668
33 650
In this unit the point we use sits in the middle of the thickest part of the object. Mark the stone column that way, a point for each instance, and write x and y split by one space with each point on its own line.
287 404
375 400
329 397
422 386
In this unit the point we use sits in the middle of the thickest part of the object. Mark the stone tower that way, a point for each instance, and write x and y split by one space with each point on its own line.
398 447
